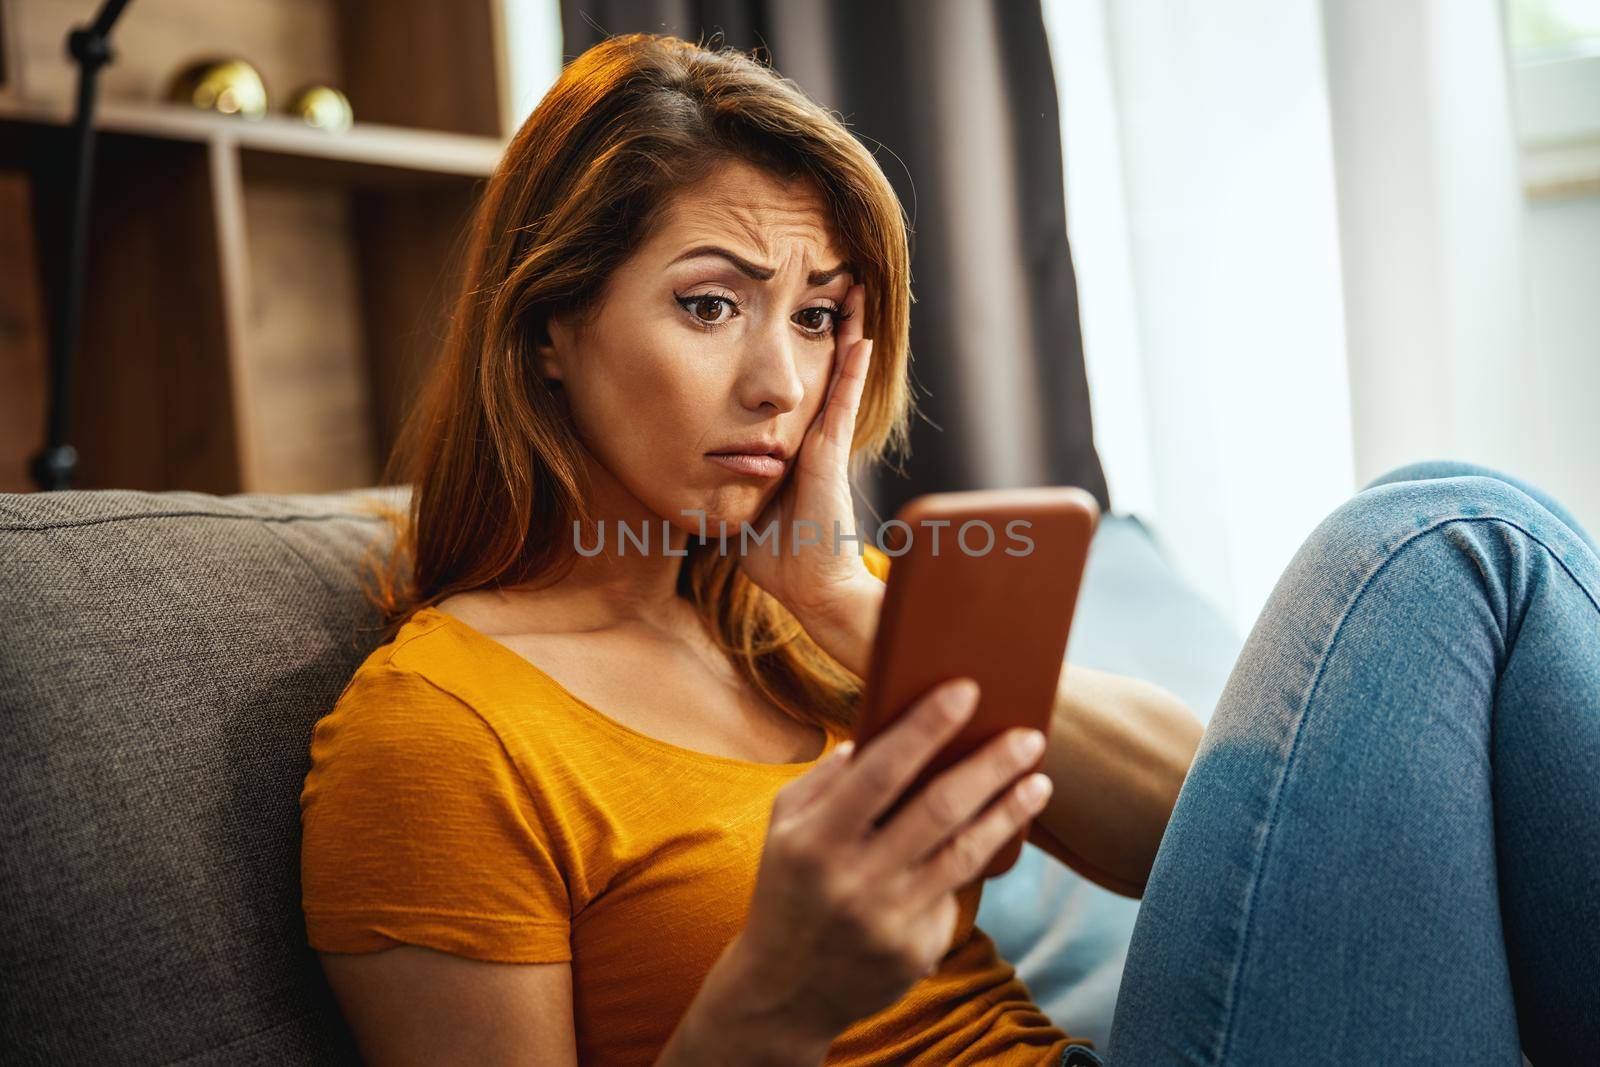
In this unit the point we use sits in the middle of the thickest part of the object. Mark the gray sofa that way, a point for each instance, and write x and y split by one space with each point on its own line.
164 659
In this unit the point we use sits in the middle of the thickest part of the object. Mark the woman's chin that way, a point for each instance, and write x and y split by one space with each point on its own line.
717 525
731 522
708 518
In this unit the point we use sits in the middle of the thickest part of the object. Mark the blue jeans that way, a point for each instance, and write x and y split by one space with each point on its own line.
1387 849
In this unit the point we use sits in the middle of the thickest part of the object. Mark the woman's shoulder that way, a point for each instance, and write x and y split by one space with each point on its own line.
414 726
415 698
392 721
395 675
436 658
441 688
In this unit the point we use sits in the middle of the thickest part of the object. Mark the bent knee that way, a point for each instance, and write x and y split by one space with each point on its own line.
1422 470
1541 507
1377 520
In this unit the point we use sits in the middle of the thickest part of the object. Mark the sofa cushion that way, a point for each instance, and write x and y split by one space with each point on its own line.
165 658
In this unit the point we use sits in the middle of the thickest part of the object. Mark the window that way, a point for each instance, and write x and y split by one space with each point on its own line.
1555 78
1546 29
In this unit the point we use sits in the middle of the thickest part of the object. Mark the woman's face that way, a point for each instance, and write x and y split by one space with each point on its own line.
692 351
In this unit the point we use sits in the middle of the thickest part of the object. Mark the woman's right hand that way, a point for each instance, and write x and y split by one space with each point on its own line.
845 917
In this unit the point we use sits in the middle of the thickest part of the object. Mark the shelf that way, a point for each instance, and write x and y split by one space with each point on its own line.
364 144
262 298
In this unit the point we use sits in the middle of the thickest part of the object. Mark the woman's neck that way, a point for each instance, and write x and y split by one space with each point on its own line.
626 564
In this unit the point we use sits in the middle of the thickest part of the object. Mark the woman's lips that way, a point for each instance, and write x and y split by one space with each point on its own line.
746 463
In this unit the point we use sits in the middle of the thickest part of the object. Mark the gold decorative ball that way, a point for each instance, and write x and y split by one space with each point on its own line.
324 107
228 86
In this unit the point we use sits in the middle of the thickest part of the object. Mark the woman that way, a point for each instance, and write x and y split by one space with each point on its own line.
590 801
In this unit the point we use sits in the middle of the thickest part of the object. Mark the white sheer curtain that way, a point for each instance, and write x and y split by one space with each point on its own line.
1203 216
1306 256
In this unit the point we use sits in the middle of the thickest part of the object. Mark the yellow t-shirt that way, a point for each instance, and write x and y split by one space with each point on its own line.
462 799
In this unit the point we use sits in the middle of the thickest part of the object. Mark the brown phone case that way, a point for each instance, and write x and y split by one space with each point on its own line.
999 616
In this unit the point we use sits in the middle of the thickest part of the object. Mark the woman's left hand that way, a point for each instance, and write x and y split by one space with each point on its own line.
817 576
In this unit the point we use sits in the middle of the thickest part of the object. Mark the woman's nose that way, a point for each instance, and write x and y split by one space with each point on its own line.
771 372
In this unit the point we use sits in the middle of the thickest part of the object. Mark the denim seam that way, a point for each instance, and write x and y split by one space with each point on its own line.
1294 744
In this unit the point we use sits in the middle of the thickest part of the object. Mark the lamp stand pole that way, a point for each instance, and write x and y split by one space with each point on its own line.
53 466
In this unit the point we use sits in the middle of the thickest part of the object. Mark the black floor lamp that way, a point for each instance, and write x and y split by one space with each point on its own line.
53 466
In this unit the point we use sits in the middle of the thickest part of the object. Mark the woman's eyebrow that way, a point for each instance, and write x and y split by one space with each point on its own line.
751 270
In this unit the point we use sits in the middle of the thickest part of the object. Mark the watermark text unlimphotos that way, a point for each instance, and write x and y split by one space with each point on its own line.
975 537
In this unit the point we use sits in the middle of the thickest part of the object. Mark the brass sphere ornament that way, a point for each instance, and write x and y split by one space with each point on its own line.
324 107
228 86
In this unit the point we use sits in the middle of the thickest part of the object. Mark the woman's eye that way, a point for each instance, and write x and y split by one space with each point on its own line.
820 320
705 309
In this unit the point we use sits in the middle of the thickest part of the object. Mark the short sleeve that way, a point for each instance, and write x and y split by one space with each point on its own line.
417 828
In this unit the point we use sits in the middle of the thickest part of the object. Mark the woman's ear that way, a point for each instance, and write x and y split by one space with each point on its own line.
551 346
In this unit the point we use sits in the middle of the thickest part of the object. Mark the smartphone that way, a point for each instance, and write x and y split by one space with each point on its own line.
982 584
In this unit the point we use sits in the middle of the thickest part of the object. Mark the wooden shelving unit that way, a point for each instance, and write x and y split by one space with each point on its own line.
261 296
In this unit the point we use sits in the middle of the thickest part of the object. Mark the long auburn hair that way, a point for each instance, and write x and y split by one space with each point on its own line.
489 450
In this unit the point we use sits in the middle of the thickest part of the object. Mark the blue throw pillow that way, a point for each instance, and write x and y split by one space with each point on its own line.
1136 616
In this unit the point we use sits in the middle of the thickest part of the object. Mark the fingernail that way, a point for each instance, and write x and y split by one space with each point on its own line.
961 698
1030 744
1036 787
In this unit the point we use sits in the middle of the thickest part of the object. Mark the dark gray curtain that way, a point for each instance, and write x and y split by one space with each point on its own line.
957 99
